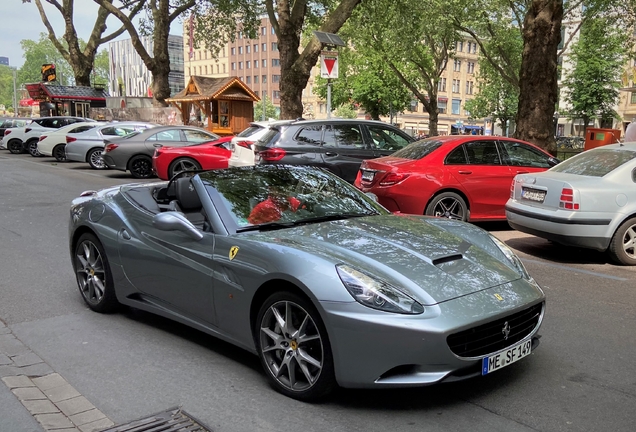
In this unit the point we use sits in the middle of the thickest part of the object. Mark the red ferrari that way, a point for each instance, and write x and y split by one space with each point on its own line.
168 161
462 177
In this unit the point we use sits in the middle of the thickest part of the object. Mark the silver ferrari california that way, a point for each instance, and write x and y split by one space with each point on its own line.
322 283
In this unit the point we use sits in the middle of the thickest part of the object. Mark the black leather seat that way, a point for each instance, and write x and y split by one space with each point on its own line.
188 202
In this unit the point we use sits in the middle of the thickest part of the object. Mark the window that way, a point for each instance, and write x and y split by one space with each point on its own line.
441 85
240 50
167 135
273 31
248 49
223 67
456 106
471 67
233 51
264 79
460 46
224 111
321 108
198 136
456 157
255 79
240 35
200 73
469 87
274 46
247 64
482 153
264 47
263 31
206 69
517 154
255 48
256 64
457 65
275 62
345 136
240 65
441 105
189 73
275 94
233 66
387 139
248 80
275 78
217 68
456 84
264 62
310 135
633 99
206 54
241 78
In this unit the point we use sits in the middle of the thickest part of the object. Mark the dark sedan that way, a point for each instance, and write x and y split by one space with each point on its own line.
134 152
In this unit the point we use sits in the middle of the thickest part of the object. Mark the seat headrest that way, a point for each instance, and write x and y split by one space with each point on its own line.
186 194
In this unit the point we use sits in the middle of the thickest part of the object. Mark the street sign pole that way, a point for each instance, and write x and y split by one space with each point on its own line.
328 98
15 94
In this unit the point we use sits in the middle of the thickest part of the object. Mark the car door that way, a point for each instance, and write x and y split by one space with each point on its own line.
484 178
385 140
345 149
523 158
168 267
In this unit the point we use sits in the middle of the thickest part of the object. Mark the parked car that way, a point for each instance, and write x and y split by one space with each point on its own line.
462 177
335 144
169 161
134 153
53 143
25 139
333 289
88 146
11 122
588 200
242 145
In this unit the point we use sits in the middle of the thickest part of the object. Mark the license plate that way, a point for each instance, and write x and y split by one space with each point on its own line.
367 175
506 357
533 194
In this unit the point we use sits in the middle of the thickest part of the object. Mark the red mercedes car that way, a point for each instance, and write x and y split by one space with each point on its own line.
168 161
462 177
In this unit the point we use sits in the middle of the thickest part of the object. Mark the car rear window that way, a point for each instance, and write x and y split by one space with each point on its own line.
595 163
249 131
418 149
269 138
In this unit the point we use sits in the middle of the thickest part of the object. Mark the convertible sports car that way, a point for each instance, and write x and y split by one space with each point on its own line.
168 161
322 283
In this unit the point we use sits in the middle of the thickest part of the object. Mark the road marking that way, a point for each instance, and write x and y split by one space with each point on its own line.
574 269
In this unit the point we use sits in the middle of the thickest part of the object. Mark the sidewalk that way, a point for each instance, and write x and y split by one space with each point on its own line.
33 398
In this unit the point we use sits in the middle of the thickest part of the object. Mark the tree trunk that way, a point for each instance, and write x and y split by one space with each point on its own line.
294 77
82 68
161 70
538 90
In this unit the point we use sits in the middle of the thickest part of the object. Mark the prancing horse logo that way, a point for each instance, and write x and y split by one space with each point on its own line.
506 330
233 251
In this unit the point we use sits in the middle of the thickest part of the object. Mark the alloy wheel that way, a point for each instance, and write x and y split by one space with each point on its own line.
183 165
59 153
33 149
291 346
450 208
95 160
629 242
141 167
91 272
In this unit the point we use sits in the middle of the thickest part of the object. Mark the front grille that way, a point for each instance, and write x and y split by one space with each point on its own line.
488 338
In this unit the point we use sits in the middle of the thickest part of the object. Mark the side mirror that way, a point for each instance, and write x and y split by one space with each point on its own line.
553 161
175 221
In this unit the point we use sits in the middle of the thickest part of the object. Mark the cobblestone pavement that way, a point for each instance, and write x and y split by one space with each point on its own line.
52 401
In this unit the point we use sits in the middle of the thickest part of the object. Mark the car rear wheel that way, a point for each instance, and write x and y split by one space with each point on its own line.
140 167
622 248
448 205
294 348
59 152
182 164
15 146
32 147
94 277
94 158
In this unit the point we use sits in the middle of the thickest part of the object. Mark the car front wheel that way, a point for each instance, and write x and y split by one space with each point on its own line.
448 205
622 248
94 277
140 167
294 348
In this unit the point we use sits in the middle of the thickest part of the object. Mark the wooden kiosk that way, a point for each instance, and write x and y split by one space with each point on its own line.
228 104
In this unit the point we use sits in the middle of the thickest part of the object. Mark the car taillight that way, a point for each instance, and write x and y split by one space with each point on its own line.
245 144
7 132
393 178
512 189
567 200
27 130
110 147
272 155
157 152
70 139
42 137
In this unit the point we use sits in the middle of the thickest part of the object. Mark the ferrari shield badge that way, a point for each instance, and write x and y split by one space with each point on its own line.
497 296
233 251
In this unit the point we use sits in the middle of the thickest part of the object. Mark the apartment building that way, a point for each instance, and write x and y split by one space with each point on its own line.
627 106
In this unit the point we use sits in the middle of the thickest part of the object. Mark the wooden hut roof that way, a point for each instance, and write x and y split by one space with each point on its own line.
207 88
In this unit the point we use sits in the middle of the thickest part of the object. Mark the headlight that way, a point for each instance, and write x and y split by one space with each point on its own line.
376 293
510 255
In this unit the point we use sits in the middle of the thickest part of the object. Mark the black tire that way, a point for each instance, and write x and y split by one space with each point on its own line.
32 148
183 162
290 350
94 159
448 205
93 275
140 167
15 146
59 152
622 248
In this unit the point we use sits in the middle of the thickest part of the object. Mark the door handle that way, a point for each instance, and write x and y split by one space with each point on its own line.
331 154
124 234
464 172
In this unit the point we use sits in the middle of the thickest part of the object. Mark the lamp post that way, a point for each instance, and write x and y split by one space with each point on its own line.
15 93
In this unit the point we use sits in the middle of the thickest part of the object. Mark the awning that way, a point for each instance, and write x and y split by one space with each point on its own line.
473 127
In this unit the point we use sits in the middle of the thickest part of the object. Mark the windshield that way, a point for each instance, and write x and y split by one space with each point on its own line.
595 163
418 149
286 195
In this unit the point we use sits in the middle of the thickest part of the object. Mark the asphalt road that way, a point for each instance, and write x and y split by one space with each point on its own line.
131 364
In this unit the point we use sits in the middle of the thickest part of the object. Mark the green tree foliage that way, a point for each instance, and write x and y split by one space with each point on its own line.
271 111
101 68
6 87
365 80
37 53
346 111
598 59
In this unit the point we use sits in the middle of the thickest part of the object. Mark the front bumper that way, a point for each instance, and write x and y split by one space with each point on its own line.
391 350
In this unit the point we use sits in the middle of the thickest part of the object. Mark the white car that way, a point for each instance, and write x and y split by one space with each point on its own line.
53 143
25 139
9 123
588 200
242 145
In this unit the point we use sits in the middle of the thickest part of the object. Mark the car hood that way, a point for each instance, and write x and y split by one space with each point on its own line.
436 260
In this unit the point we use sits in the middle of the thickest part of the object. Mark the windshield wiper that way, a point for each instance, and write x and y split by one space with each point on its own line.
281 225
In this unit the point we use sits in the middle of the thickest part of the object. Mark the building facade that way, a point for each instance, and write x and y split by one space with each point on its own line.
128 75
